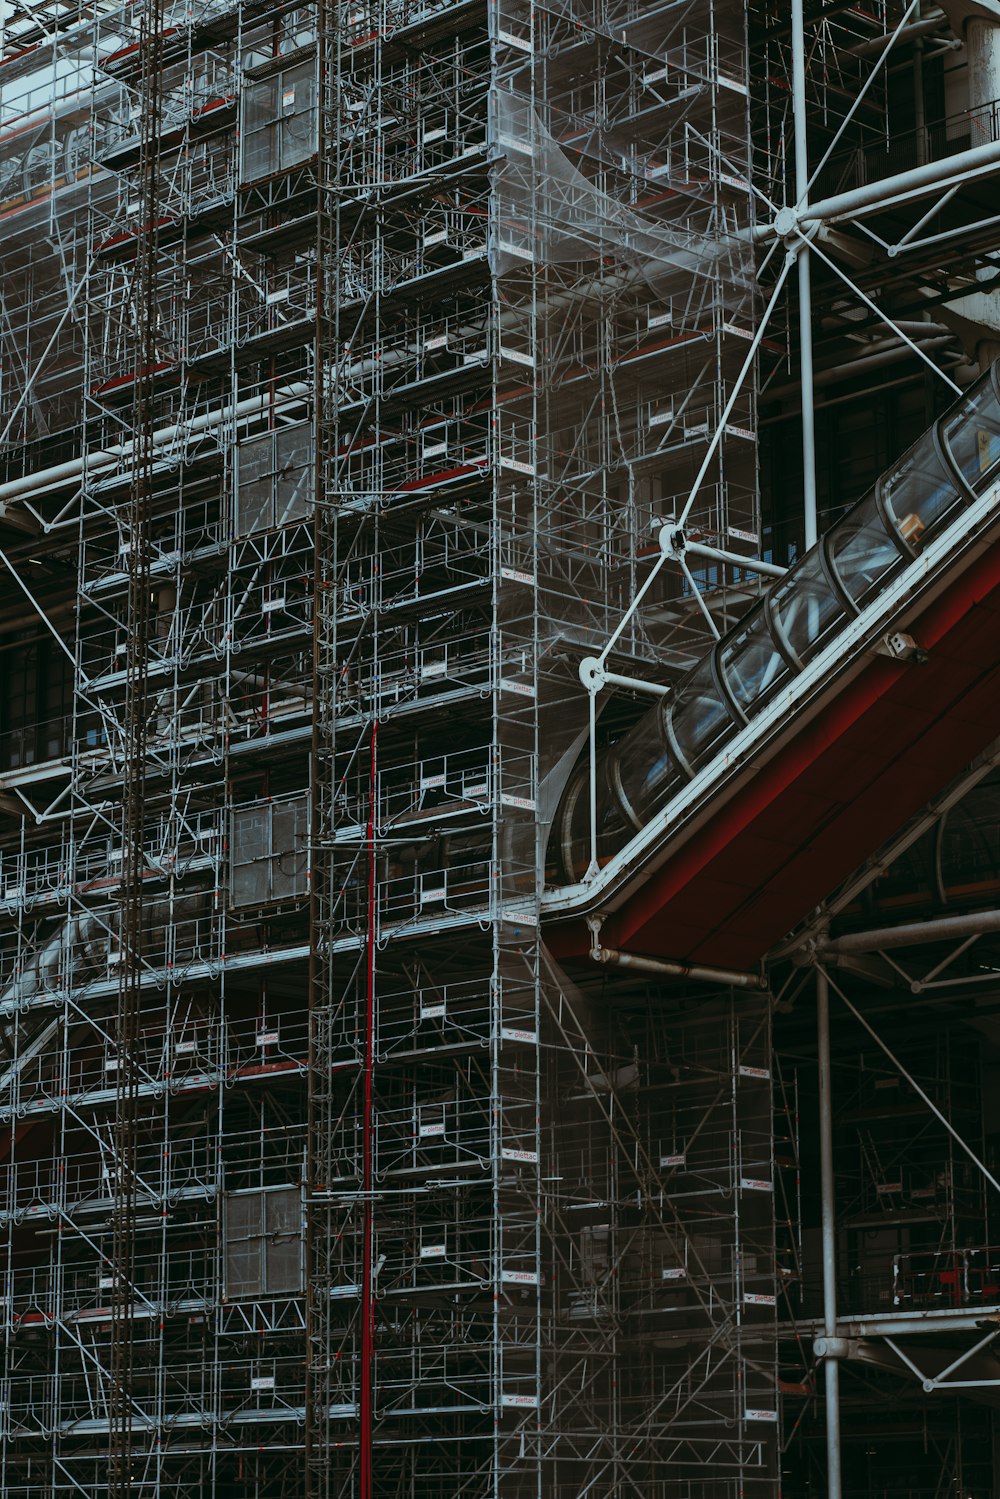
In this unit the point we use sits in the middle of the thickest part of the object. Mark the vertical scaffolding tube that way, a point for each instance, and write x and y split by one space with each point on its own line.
804 273
831 1368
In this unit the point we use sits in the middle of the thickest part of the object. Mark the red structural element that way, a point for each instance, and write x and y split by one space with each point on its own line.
770 848
366 1486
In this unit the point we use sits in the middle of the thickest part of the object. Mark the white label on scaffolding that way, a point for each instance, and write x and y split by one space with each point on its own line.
740 432
521 918
673 1160
429 783
510 40
517 465
281 295
435 450
511 1033
475 253
759 1298
343 1293
751 1414
517 357
733 83
106 1283
431 1130
883 1188
262 1382
479 788
658 319
737 331
760 1072
755 1184
661 418
288 98
439 341
519 1277
431 1012
271 604
432 893
673 1272
523 689
436 237
433 1251
477 356
655 77
739 183
521 251
523 803
520 1402
528 1157
514 576
741 535
434 668
437 134
14 892
267 1038
185 1048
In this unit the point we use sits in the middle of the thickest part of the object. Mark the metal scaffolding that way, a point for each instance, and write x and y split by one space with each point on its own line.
380 397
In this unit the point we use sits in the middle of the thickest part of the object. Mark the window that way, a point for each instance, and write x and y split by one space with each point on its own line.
263 1236
279 120
270 852
274 479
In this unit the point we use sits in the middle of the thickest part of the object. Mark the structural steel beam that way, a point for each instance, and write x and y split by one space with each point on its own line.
911 934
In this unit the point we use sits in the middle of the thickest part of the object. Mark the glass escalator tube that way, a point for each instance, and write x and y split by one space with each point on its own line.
866 548
922 492
614 826
808 606
952 463
644 772
753 660
970 434
700 717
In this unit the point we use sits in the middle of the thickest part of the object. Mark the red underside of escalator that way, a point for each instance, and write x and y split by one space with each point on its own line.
828 799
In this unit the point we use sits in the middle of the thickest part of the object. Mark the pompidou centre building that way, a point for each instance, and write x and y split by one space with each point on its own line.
499 749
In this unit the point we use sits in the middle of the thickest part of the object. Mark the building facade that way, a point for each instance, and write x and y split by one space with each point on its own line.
498 796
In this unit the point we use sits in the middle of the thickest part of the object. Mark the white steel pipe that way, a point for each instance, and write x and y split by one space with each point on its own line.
667 968
963 167
110 458
945 929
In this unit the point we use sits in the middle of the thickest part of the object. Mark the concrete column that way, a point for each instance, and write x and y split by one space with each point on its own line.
982 50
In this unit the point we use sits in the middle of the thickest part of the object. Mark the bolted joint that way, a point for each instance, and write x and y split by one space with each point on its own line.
786 222
672 541
833 1347
592 674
